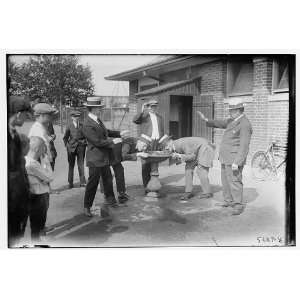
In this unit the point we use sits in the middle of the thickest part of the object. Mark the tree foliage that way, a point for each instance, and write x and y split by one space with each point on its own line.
51 78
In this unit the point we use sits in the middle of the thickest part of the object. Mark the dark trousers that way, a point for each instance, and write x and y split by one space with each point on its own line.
16 225
92 184
232 184
146 170
52 164
78 154
38 208
120 178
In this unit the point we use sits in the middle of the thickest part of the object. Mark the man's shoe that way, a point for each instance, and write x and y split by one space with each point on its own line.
225 204
123 198
111 202
237 209
206 196
71 185
87 212
186 196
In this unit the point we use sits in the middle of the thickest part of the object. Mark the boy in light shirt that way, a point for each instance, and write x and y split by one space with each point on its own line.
40 175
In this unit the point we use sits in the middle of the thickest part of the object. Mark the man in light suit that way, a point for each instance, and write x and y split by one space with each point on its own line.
152 129
196 152
233 153
99 146
75 143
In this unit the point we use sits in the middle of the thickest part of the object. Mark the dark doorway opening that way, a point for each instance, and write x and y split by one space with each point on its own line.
181 115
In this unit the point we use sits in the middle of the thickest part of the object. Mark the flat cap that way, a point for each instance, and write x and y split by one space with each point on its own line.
18 104
43 108
152 102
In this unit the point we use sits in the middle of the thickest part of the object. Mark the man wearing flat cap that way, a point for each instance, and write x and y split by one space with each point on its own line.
43 113
99 147
75 143
152 129
233 152
18 185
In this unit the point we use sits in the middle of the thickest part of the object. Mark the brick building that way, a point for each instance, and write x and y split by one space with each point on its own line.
187 83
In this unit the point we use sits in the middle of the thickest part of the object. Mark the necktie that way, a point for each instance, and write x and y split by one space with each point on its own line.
102 126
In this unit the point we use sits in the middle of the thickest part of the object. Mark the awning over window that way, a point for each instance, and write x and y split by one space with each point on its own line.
165 87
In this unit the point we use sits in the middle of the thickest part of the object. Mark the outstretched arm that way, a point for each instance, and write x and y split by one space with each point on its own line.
213 123
92 137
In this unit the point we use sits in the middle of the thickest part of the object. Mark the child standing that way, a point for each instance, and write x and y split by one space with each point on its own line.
40 175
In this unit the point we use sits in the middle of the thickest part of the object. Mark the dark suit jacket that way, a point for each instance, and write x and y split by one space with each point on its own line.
74 137
144 120
99 145
234 147
18 185
124 151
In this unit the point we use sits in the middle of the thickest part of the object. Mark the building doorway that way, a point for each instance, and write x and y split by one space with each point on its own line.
181 115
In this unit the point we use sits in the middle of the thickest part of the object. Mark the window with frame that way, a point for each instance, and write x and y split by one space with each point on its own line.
239 78
280 75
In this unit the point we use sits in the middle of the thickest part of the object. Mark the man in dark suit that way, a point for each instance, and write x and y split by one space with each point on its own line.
152 128
233 153
18 185
75 143
99 146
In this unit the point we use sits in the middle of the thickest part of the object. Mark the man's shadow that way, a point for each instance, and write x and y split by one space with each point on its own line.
101 228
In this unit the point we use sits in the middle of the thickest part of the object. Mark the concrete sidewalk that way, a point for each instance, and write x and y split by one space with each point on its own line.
169 222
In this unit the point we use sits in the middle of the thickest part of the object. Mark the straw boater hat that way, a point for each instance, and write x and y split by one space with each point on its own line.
75 113
44 108
94 102
235 103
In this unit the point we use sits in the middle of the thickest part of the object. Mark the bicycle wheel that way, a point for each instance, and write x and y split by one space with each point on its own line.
261 166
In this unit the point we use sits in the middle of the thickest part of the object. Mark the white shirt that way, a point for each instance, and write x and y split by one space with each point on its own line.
38 129
75 124
39 175
155 132
93 117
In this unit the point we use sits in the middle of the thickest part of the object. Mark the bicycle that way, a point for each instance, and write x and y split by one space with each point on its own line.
265 164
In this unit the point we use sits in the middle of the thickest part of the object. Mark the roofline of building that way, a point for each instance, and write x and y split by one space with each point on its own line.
121 76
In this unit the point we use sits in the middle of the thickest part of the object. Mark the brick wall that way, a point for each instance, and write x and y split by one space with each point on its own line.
269 118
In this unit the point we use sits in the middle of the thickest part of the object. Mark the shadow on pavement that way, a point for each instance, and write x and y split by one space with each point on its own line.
64 225
171 189
66 187
172 178
88 231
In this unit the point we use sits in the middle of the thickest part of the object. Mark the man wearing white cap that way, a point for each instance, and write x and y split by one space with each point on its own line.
233 152
152 129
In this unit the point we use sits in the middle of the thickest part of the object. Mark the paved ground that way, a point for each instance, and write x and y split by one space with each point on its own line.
167 222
